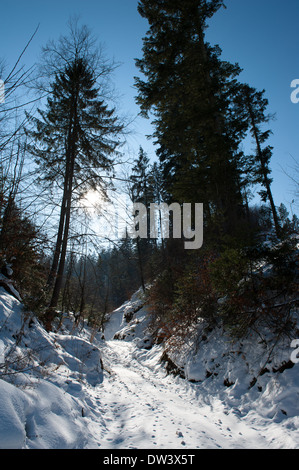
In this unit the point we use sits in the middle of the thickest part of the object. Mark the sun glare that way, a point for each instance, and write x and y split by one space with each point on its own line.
92 200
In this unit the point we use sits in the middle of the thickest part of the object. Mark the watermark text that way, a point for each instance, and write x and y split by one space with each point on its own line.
148 222
295 92
295 353
2 91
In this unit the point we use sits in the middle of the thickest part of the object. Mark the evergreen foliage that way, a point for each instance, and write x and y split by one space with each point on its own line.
75 137
189 90
251 106
201 114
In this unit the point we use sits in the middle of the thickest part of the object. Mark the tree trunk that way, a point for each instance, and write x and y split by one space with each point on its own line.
140 264
54 267
59 277
264 170
61 228
62 239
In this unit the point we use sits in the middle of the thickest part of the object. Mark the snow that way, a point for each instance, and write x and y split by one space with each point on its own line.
60 390
13 406
9 283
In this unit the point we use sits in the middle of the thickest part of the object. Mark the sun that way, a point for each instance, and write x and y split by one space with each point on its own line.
92 200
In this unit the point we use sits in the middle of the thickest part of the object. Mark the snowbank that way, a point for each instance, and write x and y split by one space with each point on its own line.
43 377
14 406
129 322
246 377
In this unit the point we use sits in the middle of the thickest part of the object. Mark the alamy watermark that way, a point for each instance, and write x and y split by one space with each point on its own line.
155 221
295 93
295 354
2 353
2 91
146 222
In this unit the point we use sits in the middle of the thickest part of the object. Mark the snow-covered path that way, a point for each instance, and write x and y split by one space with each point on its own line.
143 408
66 400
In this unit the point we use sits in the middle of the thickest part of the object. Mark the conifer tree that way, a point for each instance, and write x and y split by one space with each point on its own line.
140 188
141 193
252 108
74 137
189 90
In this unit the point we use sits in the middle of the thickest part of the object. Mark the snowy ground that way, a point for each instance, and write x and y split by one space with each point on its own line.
145 408
68 402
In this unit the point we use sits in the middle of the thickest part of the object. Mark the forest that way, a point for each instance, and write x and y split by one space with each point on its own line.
62 163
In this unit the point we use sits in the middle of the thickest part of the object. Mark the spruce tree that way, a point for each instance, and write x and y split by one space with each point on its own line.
141 193
189 91
74 138
140 189
252 109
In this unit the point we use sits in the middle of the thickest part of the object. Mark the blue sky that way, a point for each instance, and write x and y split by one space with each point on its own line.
262 36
